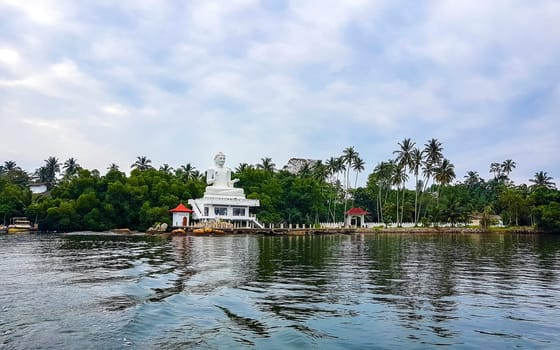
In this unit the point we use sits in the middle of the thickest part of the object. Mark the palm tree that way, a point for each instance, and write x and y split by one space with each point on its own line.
349 155
186 172
541 179
335 166
472 178
416 162
113 167
444 174
71 167
404 153
52 167
404 158
383 175
433 151
142 163
496 169
507 166
319 171
358 167
10 165
399 179
242 167
166 168
41 174
266 164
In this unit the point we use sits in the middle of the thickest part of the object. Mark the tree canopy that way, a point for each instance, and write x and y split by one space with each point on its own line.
82 199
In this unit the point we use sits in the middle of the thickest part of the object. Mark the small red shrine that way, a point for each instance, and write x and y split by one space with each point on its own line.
181 216
356 217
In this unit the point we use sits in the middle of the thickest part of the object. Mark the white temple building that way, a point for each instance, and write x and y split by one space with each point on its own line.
222 201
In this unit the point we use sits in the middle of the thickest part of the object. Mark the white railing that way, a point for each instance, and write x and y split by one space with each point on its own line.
256 222
392 224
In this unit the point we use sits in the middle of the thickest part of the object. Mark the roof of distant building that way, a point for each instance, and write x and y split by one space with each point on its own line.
357 211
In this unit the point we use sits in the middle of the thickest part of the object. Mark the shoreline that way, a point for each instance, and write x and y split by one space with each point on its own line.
312 231
352 231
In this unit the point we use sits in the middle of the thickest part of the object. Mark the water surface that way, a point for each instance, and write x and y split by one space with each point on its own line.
325 292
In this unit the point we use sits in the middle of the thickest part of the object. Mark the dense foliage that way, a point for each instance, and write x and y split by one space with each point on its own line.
82 199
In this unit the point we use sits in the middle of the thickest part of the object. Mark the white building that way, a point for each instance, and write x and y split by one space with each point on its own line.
222 201
295 165
38 187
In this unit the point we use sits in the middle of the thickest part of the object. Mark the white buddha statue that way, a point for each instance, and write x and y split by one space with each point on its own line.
219 180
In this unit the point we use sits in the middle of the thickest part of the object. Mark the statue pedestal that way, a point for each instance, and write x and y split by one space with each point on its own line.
223 192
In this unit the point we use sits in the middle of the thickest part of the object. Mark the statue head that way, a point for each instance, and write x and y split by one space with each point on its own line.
220 159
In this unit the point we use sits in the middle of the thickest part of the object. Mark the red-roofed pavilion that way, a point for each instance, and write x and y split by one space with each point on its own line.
354 215
181 216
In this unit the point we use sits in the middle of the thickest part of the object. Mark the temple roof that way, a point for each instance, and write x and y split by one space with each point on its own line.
357 211
181 209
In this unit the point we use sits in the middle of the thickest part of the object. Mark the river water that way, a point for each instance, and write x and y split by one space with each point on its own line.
87 291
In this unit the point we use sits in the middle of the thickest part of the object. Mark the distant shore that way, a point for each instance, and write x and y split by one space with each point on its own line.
353 231
321 231
524 229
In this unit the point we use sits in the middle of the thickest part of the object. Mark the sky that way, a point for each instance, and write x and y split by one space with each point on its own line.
178 81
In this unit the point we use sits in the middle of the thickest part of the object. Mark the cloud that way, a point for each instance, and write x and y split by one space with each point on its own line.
9 56
105 82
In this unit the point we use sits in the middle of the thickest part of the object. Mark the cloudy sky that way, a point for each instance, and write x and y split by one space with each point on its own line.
178 81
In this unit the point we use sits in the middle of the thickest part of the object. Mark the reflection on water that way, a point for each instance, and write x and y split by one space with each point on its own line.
384 291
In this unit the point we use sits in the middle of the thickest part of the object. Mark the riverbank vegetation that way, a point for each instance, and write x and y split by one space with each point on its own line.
418 185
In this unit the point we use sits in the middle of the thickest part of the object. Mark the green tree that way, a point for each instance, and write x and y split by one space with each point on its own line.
515 204
541 179
10 165
335 166
349 156
186 172
142 163
358 166
405 160
166 168
548 216
433 153
399 179
507 167
267 165
444 173
49 171
71 167
242 167
416 157
472 178
381 178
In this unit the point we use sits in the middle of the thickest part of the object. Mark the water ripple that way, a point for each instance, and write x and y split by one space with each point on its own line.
94 291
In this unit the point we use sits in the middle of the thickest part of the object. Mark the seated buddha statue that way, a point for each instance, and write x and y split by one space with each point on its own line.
219 180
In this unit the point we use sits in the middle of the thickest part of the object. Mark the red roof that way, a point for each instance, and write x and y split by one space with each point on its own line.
357 211
181 209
